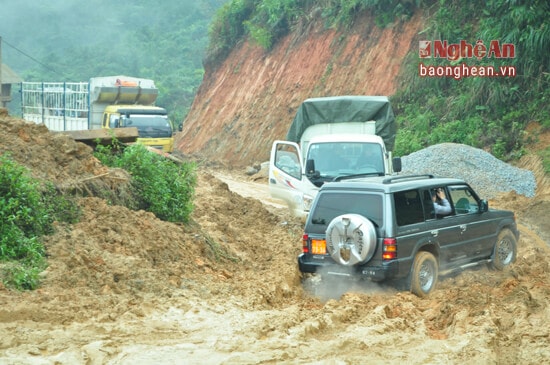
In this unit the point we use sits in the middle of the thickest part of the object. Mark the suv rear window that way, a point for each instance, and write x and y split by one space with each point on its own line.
330 206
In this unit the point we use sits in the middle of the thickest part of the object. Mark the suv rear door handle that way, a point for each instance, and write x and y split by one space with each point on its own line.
462 228
435 232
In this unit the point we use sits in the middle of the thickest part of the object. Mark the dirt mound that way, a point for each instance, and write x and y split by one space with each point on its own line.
59 159
116 250
48 156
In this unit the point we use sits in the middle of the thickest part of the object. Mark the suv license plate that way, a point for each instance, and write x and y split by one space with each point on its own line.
318 247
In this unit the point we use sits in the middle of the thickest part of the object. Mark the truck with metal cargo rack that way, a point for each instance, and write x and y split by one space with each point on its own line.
102 102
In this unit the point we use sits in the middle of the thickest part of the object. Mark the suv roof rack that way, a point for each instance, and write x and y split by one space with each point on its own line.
389 180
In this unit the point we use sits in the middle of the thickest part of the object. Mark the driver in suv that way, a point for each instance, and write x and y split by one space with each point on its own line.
441 204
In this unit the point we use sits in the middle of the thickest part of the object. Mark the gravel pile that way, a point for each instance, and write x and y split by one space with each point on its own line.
488 175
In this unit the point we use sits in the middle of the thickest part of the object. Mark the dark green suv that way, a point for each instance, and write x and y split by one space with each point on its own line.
404 227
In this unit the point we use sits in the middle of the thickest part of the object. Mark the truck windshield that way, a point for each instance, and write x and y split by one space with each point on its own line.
346 158
149 126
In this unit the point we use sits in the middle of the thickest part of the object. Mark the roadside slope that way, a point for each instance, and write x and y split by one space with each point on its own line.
250 100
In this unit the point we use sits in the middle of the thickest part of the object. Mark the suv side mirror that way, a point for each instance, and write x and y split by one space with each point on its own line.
396 161
483 206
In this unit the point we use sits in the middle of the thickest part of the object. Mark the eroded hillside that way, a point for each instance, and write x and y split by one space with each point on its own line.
250 99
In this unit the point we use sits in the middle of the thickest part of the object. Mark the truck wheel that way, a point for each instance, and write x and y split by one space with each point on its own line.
351 239
423 274
505 250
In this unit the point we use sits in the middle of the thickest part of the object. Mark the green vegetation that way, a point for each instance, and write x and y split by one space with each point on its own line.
267 21
27 212
160 186
483 112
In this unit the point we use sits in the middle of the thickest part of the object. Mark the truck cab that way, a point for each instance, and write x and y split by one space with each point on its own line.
296 177
123 101
154 127
331 139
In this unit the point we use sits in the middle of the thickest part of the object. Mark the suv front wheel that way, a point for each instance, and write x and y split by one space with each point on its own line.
424 273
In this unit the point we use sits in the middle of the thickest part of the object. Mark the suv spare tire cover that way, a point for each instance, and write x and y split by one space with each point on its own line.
351 239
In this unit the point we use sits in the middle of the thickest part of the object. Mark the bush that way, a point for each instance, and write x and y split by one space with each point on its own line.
27 212
21 205
165 188
407 142
227 28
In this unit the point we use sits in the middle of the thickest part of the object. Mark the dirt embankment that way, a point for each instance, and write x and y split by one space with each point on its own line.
123 287
251 99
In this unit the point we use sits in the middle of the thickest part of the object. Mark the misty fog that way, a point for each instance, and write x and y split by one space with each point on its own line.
73 40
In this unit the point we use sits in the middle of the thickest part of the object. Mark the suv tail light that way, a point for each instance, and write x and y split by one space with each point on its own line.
305 248
389 250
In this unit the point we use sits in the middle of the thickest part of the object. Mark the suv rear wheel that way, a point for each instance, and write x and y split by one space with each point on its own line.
505 249
423 274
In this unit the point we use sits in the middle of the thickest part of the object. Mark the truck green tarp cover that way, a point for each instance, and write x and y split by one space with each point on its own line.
338 109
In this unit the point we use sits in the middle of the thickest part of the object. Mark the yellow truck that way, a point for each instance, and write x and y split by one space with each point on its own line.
102 102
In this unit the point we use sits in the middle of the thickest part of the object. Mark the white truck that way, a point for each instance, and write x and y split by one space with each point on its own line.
102 102
330 139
